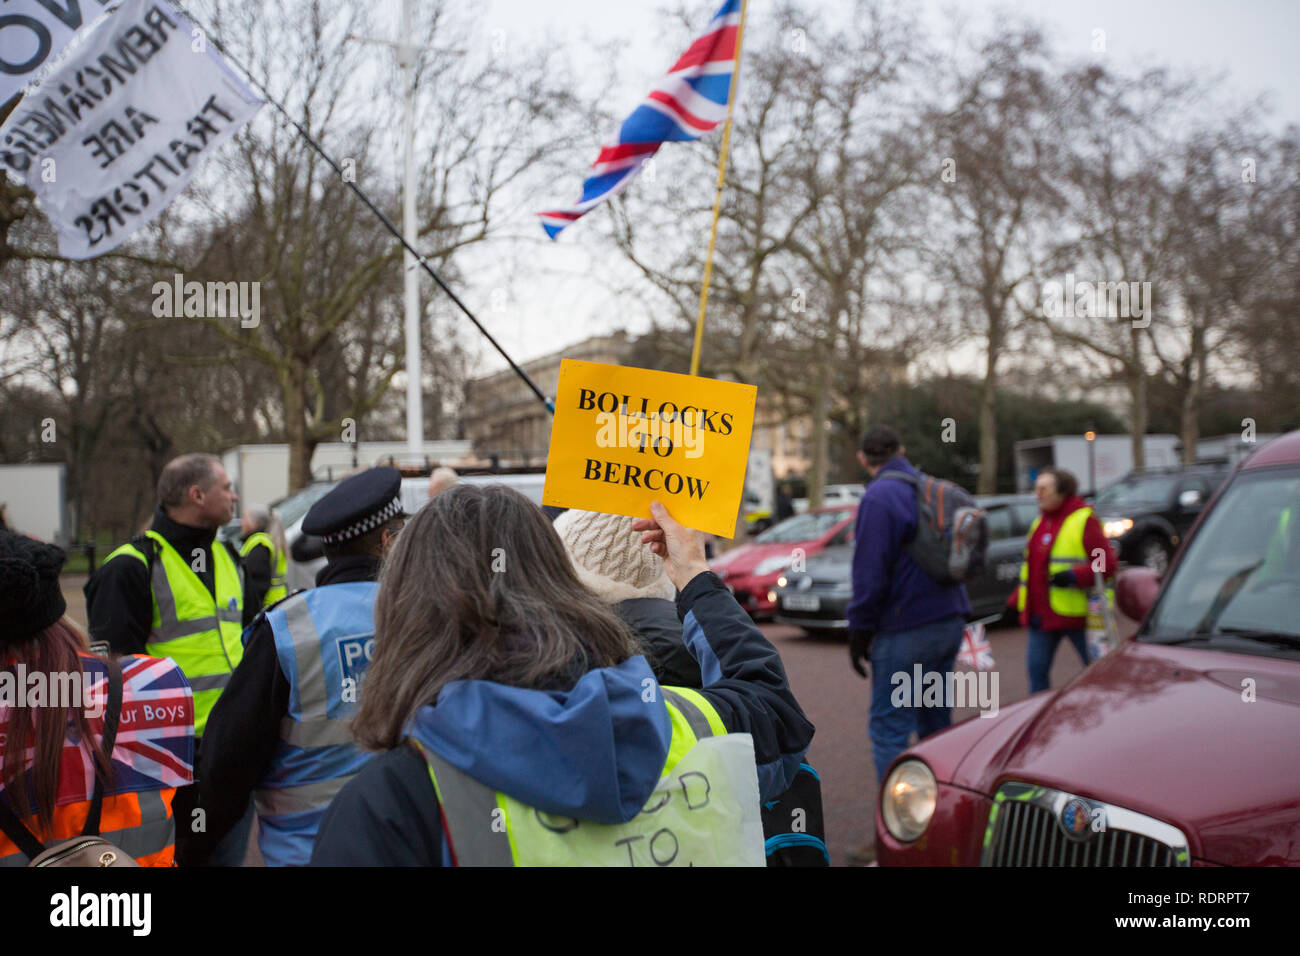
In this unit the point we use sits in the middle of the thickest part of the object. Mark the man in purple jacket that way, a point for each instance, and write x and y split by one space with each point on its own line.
899 616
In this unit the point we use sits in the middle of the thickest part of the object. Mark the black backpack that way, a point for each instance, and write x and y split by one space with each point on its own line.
952 531
794 828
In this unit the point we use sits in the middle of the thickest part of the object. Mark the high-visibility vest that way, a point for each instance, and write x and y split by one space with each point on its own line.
1067 551
324 639
1279 547
703 812
199 631
279 566
138 821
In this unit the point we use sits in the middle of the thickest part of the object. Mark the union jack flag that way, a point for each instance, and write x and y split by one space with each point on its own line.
975 651
688 102
155 733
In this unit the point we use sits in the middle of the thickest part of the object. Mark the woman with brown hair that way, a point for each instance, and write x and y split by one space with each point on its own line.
522 725
54 766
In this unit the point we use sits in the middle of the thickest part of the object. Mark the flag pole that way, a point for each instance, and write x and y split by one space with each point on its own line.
387 223
717 199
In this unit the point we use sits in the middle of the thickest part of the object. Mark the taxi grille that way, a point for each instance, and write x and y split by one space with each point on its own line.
1025 830
1030 836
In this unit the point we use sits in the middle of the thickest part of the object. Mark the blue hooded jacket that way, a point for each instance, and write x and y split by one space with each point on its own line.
890 591
593 752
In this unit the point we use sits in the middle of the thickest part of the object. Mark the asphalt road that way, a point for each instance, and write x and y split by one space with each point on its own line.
837 701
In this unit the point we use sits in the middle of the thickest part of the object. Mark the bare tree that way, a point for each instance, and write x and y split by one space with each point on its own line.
855 172
1226 249
329 275
997 177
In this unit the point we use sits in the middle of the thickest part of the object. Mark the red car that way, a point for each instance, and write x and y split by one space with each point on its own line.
752 570
1178 748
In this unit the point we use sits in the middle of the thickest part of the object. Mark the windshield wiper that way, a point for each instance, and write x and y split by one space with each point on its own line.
1264 637
1226 593
1202 635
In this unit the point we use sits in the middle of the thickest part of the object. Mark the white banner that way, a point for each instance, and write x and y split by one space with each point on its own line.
120 129
32 32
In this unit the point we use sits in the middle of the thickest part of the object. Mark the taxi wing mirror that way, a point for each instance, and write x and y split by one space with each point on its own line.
1135 591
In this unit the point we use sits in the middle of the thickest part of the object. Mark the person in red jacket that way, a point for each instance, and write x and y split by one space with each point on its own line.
1062 558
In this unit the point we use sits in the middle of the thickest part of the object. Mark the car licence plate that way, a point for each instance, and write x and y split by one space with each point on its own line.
801 602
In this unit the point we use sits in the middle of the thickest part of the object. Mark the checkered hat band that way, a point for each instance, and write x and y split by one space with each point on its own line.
390 510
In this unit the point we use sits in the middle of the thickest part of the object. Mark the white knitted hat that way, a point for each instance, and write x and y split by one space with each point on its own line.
610 558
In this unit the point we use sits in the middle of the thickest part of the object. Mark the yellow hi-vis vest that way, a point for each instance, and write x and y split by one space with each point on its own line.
279 566
201 633
1067 551
703 812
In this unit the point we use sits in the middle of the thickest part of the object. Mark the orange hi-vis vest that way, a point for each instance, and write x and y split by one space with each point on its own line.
153 755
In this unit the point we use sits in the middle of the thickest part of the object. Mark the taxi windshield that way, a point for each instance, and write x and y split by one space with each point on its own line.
1241 573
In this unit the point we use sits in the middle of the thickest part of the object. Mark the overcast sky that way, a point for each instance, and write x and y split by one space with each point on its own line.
1254 41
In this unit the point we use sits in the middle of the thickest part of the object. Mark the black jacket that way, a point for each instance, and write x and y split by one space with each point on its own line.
244 725
119 595
257 574
388 815
660 630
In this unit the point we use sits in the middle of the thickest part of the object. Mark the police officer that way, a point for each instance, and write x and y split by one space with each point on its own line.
281 732
175 591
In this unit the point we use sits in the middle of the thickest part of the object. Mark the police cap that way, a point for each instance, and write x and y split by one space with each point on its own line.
356 505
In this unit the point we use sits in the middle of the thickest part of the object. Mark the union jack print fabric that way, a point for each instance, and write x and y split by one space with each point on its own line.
688 102
155 734
975 651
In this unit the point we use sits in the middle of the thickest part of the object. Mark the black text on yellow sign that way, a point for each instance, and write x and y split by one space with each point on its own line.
623 437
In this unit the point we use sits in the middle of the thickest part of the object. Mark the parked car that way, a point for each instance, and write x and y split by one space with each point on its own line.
1147 513
305 556
848 494
1176 749
816 598
751 570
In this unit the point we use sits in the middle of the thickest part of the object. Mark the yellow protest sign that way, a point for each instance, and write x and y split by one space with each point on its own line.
623 437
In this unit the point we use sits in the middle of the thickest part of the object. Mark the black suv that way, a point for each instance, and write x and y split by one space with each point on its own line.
1148 511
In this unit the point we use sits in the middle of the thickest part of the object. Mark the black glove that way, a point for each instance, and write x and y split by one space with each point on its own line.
1064 579
860 650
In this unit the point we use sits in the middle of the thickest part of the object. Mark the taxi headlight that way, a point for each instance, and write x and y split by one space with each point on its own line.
907 800
782 581
1113 529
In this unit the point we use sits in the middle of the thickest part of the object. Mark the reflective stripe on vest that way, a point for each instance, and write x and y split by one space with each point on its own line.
323 640
199 631
279 566
1067 551
704 811
143 841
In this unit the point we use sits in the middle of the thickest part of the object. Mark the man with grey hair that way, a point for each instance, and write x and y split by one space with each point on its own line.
195 498
441 479
175 591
